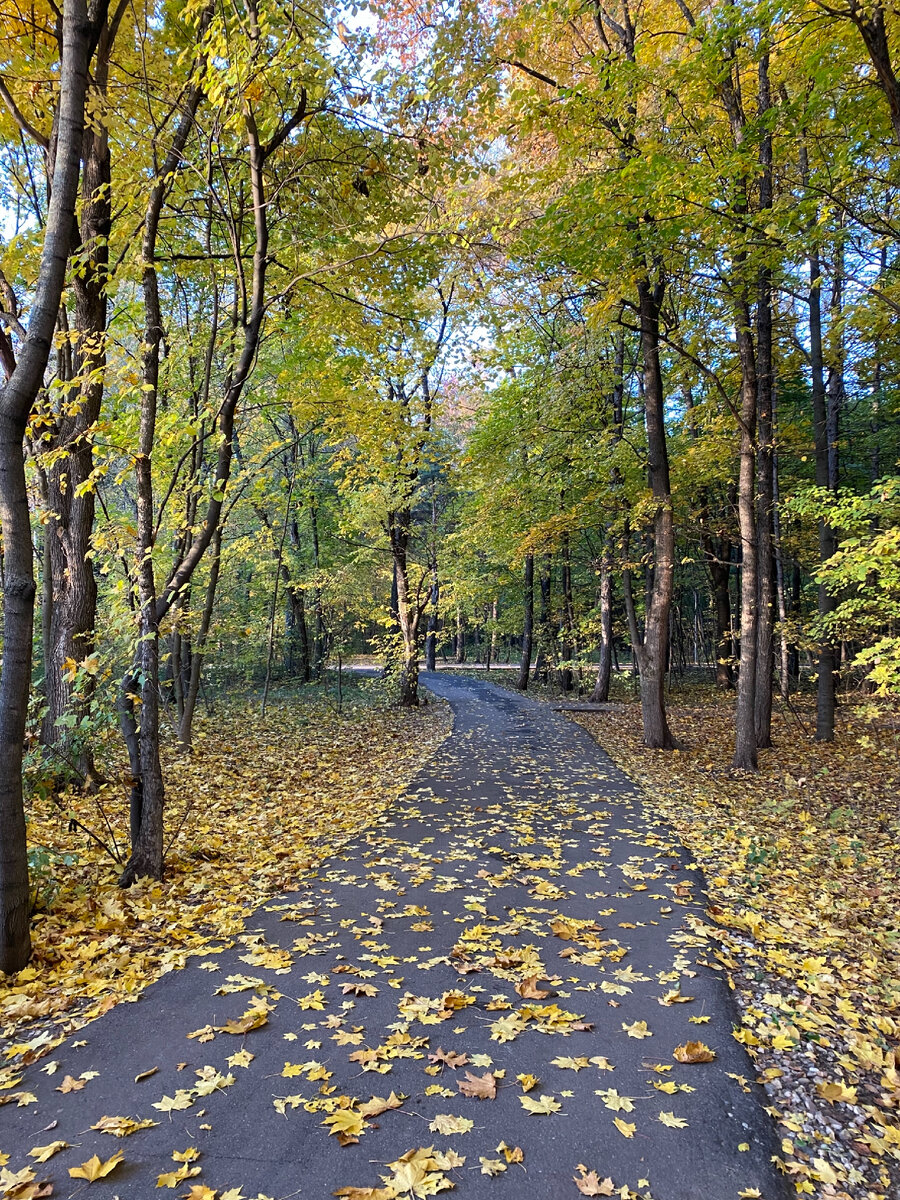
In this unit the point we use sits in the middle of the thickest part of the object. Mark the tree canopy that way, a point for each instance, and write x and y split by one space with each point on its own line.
559 332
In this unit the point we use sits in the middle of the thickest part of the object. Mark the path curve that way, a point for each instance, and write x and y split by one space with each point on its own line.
520 851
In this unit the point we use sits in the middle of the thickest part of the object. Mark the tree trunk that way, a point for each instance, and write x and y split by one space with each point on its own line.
408 610
193 689
279 566
70 493
431 638
745 718
600 693
544 655
460 637
297 601
527 624
142 682
567 621
870 21
318 665
16 403
718 562
765 384
793 648
653 654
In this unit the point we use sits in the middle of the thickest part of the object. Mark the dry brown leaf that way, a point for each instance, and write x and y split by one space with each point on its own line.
448 1057
122 1126
589 1183
529 990
71 1085
376 1106
694 1052
481 1087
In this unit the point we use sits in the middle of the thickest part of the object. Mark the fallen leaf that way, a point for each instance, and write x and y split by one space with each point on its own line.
481 1087
492 1166
512 1154
694 1052
95 1169
344 1121
122 1126
570 1064
376 1106
446 1124
542 1107
42 1153
171 1179
638 1029
448 1058
70 1085
589 1183
673 1122
529 990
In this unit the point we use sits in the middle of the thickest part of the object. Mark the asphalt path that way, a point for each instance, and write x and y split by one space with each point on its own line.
520 916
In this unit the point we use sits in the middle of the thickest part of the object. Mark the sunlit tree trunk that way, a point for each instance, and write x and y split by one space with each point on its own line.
745 717
600 693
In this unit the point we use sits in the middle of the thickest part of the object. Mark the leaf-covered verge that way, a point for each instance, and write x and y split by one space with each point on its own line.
802 864
252 812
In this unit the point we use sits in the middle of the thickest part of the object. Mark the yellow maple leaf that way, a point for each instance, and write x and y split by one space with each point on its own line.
624 1127
42 1153
542 1107
673 1122
637 1029
171 1179
95 1169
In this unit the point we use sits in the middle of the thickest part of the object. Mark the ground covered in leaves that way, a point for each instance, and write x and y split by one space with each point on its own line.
257 807
802 866
504 982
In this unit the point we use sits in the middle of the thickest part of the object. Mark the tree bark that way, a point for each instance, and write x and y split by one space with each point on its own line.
409 610
652 655
460 637
765 385
870 21
193 689
70 490
141 735
745 757
16 402
431 636
600 693
545 635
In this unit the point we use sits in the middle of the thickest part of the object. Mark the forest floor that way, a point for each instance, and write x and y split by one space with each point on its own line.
518 942
802 875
